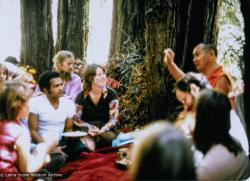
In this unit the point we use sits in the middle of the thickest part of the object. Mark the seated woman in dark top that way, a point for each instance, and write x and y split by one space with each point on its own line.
98 105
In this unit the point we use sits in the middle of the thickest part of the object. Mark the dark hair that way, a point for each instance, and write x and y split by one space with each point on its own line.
12 60
89 75
168 150
5 69
44 79
209 46
191 78
213 122
12 98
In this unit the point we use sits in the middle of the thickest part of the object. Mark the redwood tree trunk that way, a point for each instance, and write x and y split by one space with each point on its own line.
36 33
128 26
180 25
177 24
72 30
245 6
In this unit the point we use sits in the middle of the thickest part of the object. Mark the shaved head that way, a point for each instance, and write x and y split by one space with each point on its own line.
208 47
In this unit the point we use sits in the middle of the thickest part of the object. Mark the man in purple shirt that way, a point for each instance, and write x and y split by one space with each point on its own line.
63 63
72 87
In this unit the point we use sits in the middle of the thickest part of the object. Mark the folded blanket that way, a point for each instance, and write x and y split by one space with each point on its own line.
96 166
125 138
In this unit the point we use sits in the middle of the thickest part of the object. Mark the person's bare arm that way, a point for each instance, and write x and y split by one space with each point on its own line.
32 162
79 108
33 127
223 84
174 70
69 125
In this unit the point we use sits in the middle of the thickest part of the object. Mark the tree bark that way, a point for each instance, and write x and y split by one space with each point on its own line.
127 26
72 30
177 24
180 25
36 33
245 6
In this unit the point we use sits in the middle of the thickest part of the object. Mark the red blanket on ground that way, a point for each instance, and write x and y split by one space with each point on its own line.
95 166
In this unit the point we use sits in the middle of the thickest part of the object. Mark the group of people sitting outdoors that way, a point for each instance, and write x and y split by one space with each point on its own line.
211 141
206 142
58 102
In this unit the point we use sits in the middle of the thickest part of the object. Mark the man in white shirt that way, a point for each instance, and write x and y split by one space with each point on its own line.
53 113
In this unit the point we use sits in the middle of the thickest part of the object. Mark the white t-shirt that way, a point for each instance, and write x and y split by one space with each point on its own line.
237 131
220 164
51 120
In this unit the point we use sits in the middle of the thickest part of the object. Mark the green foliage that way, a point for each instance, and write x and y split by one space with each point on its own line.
129 69
231 39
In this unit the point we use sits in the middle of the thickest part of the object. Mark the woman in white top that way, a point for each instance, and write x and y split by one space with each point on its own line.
224 158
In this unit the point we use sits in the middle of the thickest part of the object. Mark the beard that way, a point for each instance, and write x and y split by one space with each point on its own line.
65 75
